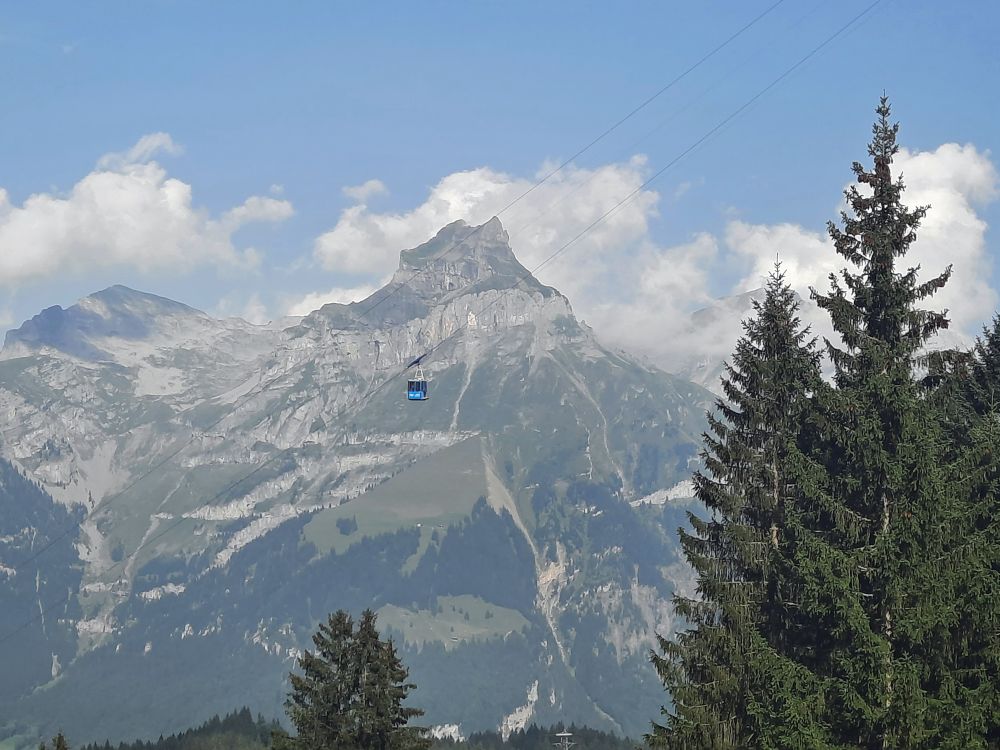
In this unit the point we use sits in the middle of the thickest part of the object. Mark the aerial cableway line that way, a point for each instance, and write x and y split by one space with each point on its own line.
365 311
721 124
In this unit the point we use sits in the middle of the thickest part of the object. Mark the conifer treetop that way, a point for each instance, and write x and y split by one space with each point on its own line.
873 307
722 669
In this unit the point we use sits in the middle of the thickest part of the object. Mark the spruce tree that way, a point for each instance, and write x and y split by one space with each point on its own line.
722 672
972 647
981 381
871 622
381 717
872 564
351 691
969 402
319 703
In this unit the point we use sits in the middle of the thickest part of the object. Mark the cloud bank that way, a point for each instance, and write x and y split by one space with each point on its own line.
366 242
639 294
316 300
954 181
128 212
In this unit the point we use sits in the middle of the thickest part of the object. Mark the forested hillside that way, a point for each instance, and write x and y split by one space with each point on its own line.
38 565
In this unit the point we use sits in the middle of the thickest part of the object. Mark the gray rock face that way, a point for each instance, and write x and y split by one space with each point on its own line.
459 258
117 312
237 482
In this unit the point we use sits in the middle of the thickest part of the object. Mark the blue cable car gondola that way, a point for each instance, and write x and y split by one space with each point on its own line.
416 389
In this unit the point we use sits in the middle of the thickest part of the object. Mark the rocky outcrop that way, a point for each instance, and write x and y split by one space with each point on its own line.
207 455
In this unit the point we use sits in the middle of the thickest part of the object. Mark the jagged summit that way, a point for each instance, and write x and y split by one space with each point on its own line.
237 481
460 260
460 255
463 242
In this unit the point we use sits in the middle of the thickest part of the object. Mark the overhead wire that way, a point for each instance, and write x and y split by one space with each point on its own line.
628 150
580 152
559 251
364 311
656 175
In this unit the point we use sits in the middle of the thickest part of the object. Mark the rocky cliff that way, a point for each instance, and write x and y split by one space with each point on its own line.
234 483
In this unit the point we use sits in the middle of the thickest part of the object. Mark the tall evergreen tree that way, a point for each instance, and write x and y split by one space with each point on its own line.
319 704
973 643
872 620
981 378
969 402
381 718
720 672
874 568
351 691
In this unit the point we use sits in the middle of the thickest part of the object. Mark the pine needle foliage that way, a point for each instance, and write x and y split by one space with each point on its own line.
713 670
887 502
849 573
351 692
980 378
969 402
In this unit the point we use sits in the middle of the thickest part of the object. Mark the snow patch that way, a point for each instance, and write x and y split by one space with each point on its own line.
95 626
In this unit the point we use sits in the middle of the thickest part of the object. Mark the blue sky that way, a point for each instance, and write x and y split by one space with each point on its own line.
295 102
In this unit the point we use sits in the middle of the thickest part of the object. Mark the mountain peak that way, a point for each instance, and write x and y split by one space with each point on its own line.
115 312
458 261
458 241
120 298
463 257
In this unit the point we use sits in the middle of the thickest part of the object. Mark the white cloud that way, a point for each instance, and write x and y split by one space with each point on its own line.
364 191
368 242
255 311
807 257
127 212
668 284
685 187
257 209
236 305
143 151
316 300
953 180
638 294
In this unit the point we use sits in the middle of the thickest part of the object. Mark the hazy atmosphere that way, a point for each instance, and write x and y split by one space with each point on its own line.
458 360
258 162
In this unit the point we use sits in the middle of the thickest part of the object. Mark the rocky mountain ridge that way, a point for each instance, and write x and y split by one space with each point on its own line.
237 482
